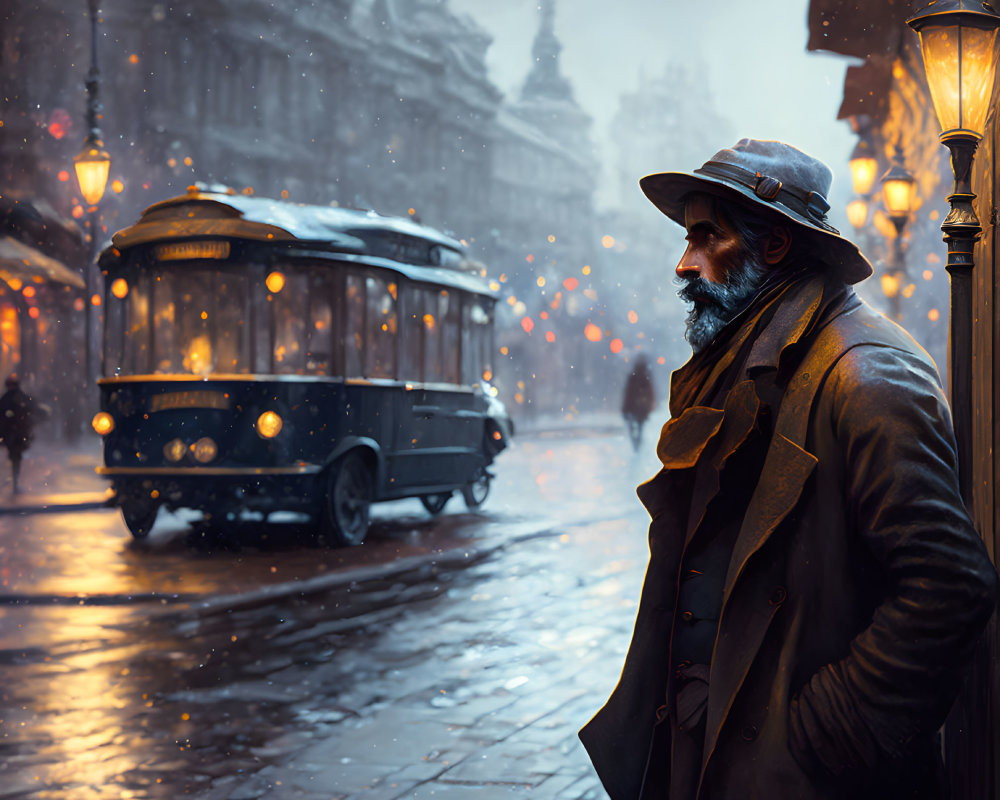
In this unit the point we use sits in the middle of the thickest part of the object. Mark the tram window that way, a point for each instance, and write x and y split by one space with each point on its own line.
231 331
319 354
136 333
288 298
198 322
412 367
433 364
192 300
380 354
262 335
354 297
165 347
114 332
450 326
477 324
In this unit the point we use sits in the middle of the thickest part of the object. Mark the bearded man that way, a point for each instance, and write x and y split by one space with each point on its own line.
815 585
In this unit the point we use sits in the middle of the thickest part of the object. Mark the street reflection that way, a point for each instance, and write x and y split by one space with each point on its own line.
184 664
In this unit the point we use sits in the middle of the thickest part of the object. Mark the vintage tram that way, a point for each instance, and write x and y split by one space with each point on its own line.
261 355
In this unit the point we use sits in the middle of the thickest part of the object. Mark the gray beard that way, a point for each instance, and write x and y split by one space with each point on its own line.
715 304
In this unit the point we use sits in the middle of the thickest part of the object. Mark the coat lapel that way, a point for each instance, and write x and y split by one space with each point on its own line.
787 468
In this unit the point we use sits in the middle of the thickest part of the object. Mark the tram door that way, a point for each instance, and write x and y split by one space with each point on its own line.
440 430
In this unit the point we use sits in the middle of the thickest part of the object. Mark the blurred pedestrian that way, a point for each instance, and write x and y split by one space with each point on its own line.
19 414
639 399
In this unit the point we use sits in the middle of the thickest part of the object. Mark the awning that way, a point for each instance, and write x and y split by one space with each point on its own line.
24 263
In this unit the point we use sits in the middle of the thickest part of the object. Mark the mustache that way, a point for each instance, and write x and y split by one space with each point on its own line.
700 291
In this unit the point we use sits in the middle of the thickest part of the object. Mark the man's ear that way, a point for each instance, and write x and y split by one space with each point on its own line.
776 246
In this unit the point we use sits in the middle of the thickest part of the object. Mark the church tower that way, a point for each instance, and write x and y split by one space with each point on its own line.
547 100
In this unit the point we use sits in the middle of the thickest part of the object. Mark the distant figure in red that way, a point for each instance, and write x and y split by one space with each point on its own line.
639 399
18 416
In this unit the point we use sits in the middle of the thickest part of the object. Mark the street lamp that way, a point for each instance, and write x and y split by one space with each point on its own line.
863 166
92 164
897 196
958 40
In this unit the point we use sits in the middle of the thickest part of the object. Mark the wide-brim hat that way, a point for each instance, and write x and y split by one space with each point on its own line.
771 178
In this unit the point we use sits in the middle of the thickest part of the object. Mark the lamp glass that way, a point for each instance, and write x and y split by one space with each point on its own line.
896 194
92 166
863 171
960 62
857 213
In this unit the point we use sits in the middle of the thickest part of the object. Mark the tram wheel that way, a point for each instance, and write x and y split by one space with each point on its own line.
344 518
435 503
139 517
477 490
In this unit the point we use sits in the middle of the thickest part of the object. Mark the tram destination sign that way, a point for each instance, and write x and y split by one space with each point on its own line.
185 251
192 399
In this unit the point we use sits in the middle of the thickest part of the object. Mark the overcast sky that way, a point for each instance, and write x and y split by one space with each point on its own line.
758 70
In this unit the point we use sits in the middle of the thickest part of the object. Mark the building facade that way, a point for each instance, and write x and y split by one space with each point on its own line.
382 104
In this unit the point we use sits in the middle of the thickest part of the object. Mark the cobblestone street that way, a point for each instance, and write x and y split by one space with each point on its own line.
466 675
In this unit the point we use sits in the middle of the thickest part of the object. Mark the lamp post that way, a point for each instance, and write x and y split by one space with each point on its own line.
958 41
92 164
897 195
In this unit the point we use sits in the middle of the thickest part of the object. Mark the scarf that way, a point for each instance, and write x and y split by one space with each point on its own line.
785 315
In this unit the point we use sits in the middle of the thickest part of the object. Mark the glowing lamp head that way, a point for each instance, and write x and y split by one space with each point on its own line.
103 423
864 167
890 285
92 164
857 213
897 192
958 41
119 288
268 425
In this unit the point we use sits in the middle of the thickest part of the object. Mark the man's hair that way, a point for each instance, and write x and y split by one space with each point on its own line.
753 228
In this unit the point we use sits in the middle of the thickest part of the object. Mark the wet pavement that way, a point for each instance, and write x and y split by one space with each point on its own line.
447 657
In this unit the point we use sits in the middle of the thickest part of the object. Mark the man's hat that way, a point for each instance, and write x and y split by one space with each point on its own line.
772 177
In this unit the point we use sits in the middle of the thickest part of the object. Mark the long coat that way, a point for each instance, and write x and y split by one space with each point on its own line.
855 591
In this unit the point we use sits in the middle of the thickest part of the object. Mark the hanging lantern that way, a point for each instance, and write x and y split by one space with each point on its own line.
864 167
897 192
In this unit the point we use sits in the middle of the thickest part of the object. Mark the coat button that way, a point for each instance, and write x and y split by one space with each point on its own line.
749 733
687 616
778 595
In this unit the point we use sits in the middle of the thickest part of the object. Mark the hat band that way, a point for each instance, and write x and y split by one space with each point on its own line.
811 205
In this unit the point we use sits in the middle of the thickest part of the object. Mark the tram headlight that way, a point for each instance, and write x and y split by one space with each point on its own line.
204 450
268 425
174 450
103 423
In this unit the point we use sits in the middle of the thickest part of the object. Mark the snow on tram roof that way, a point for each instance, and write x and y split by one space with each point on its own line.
419 251
300 221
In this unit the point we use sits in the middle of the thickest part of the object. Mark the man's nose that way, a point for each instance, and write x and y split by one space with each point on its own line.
688 267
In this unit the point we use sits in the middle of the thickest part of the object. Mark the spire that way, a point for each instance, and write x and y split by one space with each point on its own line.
545 81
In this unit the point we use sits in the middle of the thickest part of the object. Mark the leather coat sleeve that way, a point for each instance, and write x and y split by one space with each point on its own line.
893 431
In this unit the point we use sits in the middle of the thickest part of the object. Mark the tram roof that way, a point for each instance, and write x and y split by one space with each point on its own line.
201 214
